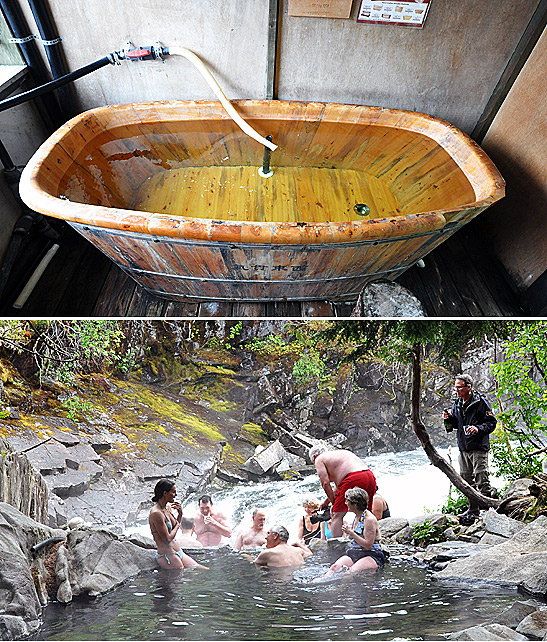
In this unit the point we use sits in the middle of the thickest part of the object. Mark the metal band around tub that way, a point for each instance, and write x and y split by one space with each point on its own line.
450 227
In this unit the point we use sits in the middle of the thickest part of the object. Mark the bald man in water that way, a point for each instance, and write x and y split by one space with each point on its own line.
278 553
253 536
344 470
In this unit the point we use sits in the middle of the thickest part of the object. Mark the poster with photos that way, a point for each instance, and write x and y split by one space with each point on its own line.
405 14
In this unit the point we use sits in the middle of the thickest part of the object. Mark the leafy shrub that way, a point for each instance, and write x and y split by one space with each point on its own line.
456 502
428 533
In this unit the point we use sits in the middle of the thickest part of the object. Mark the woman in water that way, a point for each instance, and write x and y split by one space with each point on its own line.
363 553
164 527
306 529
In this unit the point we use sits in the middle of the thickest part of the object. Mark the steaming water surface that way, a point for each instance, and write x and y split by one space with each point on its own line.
235 600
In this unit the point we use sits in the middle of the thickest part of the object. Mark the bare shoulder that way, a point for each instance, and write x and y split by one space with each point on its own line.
263 558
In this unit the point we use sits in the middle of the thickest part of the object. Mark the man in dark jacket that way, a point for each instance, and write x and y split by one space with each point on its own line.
472 418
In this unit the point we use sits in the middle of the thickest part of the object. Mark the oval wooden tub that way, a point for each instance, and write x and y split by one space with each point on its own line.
171 193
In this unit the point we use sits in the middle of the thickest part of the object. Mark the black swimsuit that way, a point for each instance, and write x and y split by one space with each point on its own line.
309 535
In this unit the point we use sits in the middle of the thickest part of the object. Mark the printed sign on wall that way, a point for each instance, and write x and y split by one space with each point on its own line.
320 8
407 13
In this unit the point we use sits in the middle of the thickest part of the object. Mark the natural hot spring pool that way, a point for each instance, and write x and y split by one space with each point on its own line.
236 601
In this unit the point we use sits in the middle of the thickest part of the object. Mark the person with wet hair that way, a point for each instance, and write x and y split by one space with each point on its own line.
186 536
165 525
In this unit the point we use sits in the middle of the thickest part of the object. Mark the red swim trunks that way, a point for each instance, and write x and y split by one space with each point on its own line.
362 479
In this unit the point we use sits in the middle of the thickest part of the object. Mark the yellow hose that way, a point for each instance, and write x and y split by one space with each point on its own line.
191 56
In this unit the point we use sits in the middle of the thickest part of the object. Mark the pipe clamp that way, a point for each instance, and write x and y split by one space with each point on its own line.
47 43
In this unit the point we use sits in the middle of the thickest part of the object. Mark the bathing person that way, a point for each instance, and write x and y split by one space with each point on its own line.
380 509
345 470
472 418
254 535
164 526
186 536
306 529
363 552
278 552
210 526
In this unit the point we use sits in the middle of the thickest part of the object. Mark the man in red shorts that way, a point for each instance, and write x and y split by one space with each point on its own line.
345 470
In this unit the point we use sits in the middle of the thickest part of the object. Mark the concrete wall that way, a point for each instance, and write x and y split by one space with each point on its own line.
448 69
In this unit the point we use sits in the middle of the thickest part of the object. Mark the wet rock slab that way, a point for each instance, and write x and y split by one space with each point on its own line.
518 562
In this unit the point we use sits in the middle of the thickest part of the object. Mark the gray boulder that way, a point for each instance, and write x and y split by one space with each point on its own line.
502 525
518 562
20 485
534 625
390 526
452 550
13 627
20 601
266 461
98 561
487 632
387 299
514 615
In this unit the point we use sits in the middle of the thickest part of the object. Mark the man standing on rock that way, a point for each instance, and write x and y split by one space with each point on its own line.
345 470
472 418
253 536
210 526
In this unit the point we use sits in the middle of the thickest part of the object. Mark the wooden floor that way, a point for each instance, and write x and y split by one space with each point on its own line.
460 279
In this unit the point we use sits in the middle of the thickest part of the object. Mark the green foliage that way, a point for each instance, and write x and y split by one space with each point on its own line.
228 342
428 533
300 343
273 346
309 367
394 340
14 335
521 405
513 462
456 502
522 381
4 413
77 408
62 349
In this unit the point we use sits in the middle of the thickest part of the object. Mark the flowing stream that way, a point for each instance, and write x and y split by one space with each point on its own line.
235 600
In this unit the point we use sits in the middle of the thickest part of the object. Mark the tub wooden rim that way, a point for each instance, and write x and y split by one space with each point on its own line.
472 160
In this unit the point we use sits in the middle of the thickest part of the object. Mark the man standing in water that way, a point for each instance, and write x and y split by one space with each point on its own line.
472 418
210 526
278 553
345 470
253 536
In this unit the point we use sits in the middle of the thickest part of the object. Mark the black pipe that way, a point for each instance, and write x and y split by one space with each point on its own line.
48 106
52 44
266 157
54 84
46 542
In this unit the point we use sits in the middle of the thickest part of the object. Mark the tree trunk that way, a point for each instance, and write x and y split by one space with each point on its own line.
433 455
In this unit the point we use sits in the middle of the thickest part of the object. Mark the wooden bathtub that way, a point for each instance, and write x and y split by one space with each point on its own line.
171 193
